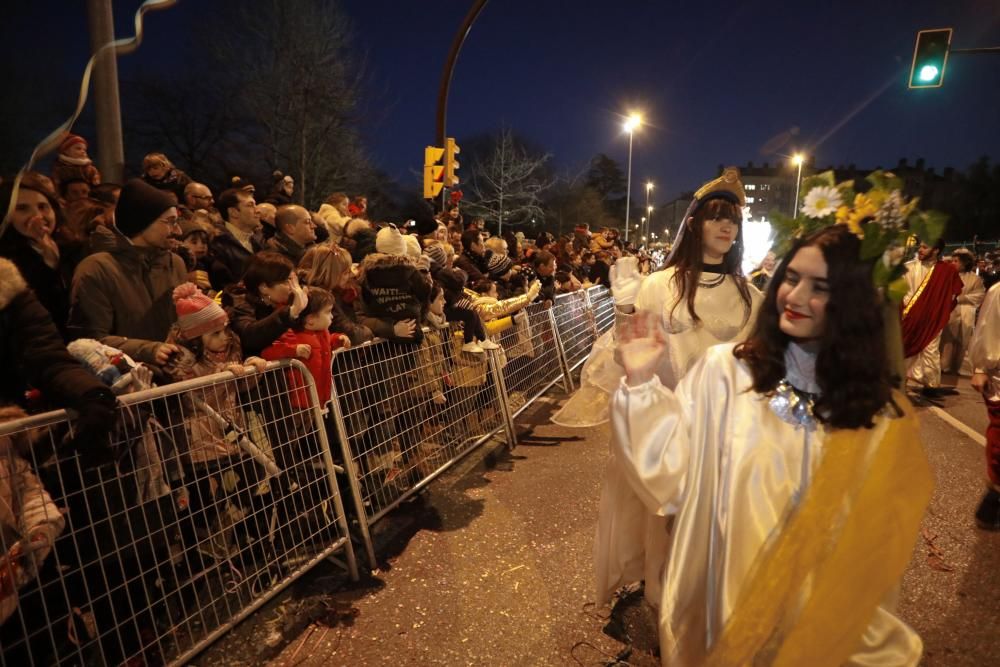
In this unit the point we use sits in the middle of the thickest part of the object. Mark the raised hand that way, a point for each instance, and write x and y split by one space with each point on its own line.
641 344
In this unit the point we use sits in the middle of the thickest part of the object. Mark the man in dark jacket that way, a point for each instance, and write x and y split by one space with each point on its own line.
296 232
124 297
238 238
473 259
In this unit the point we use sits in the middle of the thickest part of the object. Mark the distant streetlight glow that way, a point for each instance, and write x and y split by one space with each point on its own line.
632 124
797 160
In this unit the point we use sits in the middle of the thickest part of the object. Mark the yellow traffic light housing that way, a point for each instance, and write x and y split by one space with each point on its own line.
433 172
451 165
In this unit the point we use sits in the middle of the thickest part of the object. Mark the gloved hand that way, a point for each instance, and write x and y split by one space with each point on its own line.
625 280
98 418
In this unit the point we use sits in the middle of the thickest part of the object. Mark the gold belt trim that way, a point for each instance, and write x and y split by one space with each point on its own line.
920 290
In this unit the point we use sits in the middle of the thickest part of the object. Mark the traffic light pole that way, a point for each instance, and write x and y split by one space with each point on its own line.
449 67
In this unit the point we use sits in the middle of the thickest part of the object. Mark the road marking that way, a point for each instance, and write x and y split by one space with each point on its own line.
960 425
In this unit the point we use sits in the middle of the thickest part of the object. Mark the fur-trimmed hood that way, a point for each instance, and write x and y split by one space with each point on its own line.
381 260
12 282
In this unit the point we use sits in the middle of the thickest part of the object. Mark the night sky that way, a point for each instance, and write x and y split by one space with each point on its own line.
717 82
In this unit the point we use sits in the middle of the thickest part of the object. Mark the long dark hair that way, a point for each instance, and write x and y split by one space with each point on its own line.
852 368
687 257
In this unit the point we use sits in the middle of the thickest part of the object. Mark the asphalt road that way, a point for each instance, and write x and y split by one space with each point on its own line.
492 565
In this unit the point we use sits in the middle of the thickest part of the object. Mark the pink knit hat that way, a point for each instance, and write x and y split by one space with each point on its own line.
196 313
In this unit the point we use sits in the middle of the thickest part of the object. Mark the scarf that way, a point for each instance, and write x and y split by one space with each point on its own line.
75 161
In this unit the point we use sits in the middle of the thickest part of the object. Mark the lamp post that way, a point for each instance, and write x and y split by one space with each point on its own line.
797 160
631 125
649 209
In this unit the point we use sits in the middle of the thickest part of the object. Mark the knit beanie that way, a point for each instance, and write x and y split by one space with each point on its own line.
139 205
425 225
498 265
436 253
70 140
390 242
189 226
412 246
452 280
196 313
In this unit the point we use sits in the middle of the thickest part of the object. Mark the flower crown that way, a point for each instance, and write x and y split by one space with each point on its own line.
884 219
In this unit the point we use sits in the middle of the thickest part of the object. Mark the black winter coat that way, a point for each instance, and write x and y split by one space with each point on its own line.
51 286
32 351
392 290
229 258
255 322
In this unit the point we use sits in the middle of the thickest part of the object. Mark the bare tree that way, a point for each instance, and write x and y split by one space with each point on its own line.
506 185
301 86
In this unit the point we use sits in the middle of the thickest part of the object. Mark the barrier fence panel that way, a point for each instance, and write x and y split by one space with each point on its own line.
533 361
575 326
405 412
603 306
221 491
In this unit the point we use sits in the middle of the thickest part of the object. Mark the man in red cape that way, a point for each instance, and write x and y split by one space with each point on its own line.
934 287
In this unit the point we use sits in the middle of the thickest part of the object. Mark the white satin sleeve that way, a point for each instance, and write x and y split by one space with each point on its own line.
888 641
649 437
984 350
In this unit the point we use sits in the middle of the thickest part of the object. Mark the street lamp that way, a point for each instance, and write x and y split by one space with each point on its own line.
632 124
649 209
649 216
797 160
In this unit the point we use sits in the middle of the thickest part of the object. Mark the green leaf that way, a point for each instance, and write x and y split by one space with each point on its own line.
874 242
825 179
881 274
884 180
897 290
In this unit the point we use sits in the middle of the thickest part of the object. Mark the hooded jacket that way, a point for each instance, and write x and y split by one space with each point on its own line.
334 222
392 290
124 297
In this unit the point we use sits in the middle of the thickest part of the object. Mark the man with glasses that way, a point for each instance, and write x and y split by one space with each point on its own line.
197 195
123 297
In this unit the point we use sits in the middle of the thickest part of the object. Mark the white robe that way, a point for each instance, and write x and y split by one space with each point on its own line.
957 335
984 349
631 542
715 453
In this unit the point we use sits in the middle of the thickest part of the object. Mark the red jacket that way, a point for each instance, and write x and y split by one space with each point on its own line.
323 343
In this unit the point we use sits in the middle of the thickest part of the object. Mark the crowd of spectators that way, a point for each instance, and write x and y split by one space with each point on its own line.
188 281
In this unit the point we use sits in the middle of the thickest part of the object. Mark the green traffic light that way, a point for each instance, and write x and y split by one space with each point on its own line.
930 58
928 73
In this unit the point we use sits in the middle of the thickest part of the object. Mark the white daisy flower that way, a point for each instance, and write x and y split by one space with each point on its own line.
821 201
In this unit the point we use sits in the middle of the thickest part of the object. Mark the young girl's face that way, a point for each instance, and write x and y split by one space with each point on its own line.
196 244
216 341
437 305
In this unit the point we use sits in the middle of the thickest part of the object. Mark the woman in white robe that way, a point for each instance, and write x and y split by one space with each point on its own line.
701 299
735 448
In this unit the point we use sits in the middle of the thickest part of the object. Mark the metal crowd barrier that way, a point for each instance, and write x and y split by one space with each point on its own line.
405 412
534 357
575 324
223 489
220 492
602 304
